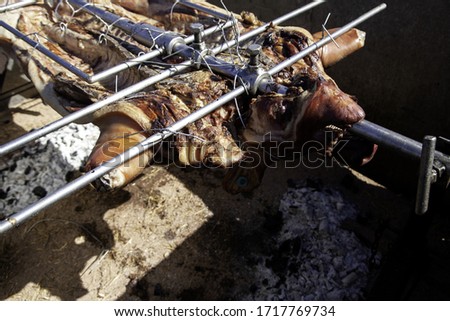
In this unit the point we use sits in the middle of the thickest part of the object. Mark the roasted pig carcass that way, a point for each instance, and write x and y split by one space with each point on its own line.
311 102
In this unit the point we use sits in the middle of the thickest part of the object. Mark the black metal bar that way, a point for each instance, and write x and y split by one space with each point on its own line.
427 175
388 138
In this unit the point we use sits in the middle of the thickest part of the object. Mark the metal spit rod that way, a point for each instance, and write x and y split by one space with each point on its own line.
150 55
209 11
150 36
86 111
30 211
45 51
390 139
266 26
105 73
17 5
291 60
432 162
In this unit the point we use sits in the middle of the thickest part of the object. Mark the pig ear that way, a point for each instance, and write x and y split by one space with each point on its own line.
348 43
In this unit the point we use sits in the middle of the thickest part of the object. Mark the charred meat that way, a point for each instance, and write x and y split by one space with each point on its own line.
311 102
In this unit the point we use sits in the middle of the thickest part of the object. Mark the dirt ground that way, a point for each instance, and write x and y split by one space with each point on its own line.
172 234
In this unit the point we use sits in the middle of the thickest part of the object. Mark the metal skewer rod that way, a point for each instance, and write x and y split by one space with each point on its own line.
29 137
25 139
123 66
150 35
17 5
42 49
288 62
146 34
108 72
30 211
147 56
201 8
266 26
393 140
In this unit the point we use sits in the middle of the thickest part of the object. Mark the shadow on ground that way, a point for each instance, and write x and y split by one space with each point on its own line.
52 250
218 261
50 254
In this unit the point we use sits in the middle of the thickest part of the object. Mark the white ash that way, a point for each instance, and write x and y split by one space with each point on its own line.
42 167
314 257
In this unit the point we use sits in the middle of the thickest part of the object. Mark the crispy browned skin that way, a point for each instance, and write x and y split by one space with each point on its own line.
313 100
173 16
126 123
312 103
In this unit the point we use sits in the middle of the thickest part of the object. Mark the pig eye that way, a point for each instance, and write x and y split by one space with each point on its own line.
283 113
305 82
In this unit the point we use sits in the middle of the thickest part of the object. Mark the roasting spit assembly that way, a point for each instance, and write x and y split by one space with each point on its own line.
193 53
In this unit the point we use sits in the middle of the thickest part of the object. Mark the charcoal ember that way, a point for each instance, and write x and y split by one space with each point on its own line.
39 191
42 167
315 258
